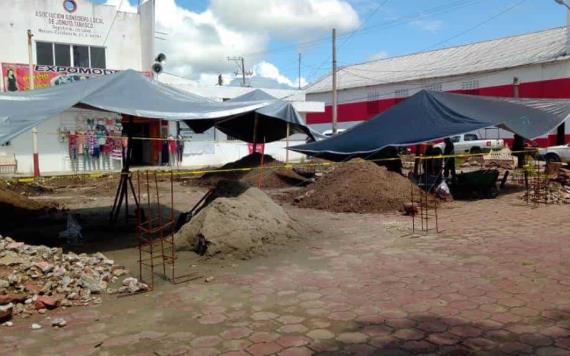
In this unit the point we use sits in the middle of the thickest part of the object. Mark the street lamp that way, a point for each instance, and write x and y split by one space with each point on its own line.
563 3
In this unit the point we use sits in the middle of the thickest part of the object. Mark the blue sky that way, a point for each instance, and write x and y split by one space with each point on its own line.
385 28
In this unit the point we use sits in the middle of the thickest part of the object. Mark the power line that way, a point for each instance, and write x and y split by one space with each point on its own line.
352 33
353 67
504 11
437 10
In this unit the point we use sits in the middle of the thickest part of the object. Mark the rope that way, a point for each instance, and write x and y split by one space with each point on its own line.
290 166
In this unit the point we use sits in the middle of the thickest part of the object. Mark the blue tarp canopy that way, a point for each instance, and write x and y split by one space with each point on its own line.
129 93
430 115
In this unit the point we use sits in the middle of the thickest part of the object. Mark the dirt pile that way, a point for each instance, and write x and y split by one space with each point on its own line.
36 278
273 175
15 207
238 222
357 186
27 189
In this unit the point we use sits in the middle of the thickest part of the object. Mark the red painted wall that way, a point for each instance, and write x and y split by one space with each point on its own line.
365 110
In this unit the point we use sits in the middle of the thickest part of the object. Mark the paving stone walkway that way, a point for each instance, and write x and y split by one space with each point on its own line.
495 281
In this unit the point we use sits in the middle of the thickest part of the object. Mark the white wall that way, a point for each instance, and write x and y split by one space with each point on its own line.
119 32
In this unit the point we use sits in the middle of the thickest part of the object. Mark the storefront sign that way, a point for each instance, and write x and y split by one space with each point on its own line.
67 23
17 78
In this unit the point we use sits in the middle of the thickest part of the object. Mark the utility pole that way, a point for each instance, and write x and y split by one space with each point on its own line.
241 63
35 156
299 74
518 141
334 93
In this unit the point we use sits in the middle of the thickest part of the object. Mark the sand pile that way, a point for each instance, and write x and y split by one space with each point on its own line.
238 222
272 175
357 186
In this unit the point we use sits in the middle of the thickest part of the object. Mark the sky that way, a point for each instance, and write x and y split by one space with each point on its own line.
197 36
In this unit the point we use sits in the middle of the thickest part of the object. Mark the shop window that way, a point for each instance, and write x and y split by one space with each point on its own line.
400 95
62 55
80 56
434 87
48 53
470 87
98 57
44 53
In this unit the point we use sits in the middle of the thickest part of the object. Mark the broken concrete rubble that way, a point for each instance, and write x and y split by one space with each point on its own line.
41 278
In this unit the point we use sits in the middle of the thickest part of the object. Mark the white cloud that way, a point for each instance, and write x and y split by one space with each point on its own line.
198 43
379 55
286 18
425 24
269 70
125 5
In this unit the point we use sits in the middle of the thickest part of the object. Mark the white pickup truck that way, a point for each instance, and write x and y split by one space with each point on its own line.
471 143
556 153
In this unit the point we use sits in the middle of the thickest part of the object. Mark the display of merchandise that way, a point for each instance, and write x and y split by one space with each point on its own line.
180 148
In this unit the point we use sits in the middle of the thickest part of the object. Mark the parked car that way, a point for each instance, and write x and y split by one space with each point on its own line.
329 133
471 143
555 153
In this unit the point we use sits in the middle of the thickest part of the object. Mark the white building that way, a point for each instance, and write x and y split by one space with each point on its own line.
75 39
72 39
537 65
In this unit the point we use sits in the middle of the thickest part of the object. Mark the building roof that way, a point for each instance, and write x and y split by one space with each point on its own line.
514 51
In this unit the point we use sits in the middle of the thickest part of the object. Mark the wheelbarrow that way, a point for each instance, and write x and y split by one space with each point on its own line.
476 184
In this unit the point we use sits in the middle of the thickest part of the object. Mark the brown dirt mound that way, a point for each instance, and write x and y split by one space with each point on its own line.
16 207
271 176
27 189
239 223
357 186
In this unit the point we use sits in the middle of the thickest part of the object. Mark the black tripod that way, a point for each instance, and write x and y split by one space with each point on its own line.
125 182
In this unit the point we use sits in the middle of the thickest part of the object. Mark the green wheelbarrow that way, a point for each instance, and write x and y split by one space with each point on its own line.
477 184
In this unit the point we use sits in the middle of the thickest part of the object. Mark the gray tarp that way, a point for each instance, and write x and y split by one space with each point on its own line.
272 119
430 115
254 95
130 93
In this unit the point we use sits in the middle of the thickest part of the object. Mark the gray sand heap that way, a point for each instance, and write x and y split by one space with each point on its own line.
239 222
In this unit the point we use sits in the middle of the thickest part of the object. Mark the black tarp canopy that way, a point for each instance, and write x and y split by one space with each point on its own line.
430 115
266 124
130 93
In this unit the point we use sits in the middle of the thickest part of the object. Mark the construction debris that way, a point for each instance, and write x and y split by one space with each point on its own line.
239 222
58 323
39 278
500 159
552 187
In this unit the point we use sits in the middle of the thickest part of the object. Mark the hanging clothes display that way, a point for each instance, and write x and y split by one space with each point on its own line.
106 150
73 150
172 151
180 149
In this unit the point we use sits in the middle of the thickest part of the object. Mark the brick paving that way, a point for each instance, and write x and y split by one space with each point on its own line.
495 281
